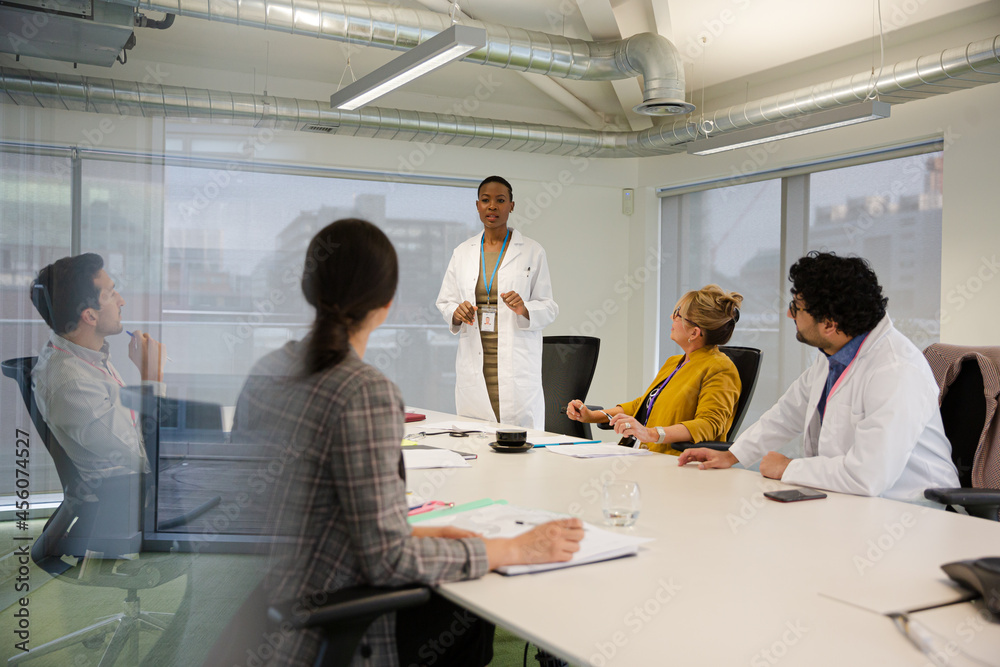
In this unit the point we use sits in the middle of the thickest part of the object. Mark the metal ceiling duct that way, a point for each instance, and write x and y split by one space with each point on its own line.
975 64
649 55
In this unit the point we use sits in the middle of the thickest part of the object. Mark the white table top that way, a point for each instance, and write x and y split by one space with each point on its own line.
731 578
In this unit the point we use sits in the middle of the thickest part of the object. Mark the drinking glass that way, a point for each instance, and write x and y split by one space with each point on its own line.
621 503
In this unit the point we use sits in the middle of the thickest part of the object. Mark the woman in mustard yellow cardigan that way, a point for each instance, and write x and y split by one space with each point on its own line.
693 397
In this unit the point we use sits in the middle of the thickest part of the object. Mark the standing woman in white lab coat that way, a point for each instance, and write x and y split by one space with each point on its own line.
497 297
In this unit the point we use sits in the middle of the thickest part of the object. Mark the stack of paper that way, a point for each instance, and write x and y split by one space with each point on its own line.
597 451
502 520
418 458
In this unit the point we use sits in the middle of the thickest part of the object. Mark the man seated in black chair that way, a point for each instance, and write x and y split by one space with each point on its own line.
866 408
75 384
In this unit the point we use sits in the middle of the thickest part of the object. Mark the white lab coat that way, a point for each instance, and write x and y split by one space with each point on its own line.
881 434
519 351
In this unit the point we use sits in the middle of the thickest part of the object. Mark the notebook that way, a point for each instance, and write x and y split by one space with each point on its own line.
502 520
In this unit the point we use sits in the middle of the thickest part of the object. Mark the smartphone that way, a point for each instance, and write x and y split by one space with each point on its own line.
793 495
627 441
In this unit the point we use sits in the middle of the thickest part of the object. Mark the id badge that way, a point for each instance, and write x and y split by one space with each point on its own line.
489 318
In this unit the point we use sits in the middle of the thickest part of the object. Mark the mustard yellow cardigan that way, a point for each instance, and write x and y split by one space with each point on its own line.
702 396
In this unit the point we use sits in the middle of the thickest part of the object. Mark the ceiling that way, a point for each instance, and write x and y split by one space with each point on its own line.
734 43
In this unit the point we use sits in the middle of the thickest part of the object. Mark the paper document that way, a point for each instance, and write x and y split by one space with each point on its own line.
510 521
597 451
417 458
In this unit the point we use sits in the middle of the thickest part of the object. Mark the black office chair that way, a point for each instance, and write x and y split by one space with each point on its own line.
747 362
568 365
95 525
344 616
971 382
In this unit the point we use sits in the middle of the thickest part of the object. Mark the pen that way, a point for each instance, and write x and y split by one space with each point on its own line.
584 442
430 507
133 336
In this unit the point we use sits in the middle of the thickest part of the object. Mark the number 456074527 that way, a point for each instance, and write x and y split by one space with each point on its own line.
22 456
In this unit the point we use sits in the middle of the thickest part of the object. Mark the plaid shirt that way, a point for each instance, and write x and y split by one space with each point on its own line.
340 492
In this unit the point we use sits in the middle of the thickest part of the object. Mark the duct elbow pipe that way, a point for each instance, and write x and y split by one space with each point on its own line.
657 60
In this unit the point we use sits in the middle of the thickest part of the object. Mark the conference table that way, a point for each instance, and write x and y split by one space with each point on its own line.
730 578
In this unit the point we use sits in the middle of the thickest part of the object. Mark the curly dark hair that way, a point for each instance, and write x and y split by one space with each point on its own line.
844 290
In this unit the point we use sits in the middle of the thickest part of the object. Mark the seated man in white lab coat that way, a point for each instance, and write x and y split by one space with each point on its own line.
866 408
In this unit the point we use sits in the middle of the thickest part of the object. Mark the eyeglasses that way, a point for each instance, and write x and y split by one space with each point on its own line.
794 308
677 313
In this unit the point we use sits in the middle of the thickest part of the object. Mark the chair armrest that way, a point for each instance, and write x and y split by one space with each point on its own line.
349 603
964 497
717 446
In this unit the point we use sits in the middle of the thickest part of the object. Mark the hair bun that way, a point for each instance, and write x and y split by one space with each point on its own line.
730 303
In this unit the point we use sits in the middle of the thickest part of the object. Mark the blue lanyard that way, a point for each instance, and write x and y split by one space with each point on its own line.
656 392
482 253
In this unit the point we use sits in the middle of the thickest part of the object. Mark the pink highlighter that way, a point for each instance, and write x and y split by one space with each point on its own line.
430 507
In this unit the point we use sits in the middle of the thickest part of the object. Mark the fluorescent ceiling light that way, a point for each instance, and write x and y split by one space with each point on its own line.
449 44
793 127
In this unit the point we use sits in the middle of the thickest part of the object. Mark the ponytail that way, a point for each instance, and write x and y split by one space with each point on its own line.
330 339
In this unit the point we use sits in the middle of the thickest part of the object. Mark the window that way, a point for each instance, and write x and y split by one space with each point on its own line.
727 236
35 229
232 260
888 212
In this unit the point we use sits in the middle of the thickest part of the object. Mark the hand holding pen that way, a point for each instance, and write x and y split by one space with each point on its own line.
148 355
